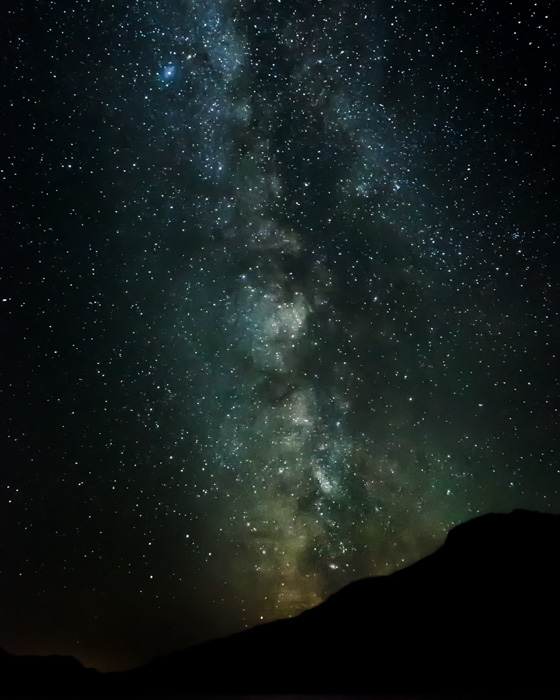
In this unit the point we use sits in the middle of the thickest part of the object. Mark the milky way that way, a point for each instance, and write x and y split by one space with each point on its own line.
281 296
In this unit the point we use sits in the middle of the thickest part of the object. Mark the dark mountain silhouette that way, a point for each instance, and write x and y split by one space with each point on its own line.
479 616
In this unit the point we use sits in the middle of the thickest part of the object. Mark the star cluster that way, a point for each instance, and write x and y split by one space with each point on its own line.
280 304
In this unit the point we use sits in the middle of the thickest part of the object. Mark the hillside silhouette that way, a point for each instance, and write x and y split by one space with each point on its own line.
479 616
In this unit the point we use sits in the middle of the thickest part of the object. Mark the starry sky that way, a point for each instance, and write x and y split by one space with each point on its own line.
279 303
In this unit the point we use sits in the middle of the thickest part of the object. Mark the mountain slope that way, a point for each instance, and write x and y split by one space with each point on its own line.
480 615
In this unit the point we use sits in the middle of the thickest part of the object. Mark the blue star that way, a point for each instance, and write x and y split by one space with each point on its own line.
169 72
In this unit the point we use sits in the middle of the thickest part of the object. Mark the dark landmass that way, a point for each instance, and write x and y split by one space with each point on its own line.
479 616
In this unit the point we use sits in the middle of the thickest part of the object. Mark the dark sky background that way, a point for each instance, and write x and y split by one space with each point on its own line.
279 303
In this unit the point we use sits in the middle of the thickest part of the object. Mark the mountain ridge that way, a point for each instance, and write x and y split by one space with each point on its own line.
477 616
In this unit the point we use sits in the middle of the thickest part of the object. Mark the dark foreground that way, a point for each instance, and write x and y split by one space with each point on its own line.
478 618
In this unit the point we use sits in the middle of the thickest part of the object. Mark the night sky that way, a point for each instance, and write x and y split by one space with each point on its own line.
279 303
